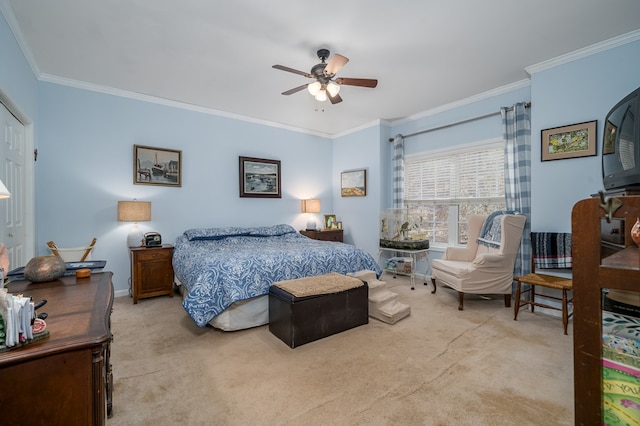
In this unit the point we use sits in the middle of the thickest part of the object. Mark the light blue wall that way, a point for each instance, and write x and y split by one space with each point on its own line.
17 81
359 215
466 132
85 166
579 91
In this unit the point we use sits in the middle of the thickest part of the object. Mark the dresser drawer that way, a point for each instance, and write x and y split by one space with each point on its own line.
153 254
326 235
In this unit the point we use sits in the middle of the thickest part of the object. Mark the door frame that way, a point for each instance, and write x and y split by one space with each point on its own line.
29 178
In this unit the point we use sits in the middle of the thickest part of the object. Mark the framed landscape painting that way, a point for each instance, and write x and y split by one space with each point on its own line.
577 140
259 178
353 183
157 166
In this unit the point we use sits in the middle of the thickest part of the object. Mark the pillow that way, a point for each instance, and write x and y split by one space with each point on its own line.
272 231
215 233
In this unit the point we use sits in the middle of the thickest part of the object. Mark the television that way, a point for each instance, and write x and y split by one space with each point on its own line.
621 145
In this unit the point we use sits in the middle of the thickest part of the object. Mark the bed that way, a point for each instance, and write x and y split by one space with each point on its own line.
225 273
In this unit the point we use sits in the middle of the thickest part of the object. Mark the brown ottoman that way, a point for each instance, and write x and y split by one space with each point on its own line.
308 309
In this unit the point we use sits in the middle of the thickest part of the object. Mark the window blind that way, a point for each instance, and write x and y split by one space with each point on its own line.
465 175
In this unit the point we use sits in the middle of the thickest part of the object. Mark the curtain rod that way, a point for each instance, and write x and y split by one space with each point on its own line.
526 105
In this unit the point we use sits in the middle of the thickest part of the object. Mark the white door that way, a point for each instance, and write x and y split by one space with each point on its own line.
13 232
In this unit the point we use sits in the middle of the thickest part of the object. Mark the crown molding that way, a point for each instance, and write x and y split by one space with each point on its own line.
171 103
462 102
584 52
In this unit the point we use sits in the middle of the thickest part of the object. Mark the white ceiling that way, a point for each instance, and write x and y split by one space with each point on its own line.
218 54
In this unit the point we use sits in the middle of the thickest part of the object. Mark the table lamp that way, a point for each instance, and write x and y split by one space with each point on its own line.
311 206
134 211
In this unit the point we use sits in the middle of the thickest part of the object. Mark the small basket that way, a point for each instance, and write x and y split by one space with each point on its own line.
75 254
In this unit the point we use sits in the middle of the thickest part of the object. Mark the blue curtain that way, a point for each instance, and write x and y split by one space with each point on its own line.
397 165
516 131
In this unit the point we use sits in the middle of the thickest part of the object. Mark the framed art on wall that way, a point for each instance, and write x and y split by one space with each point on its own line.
259 178
353 183
157 166
577 140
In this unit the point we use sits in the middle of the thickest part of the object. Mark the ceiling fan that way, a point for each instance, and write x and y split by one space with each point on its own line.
325 84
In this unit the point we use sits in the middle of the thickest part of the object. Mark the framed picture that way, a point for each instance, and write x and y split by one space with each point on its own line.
259 178
156 166
353 183
329 221
577 140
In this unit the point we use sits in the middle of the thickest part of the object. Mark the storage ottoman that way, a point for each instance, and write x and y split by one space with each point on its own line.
308 309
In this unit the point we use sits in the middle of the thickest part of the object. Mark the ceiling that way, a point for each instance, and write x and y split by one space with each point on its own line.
219 54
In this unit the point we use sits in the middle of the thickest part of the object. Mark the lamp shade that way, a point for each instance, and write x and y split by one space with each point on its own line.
4 192
134 211
311 206
321 96
333 89
314 87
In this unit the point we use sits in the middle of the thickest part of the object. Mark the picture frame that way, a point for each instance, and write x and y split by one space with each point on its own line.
353 183
338 225
157 166
259 178
329 221
576 140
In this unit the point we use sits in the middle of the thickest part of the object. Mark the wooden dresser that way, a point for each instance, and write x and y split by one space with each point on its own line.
65 378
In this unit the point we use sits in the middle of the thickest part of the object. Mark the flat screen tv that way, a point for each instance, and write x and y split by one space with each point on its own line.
621 145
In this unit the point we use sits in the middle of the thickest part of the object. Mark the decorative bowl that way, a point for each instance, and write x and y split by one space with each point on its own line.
44 268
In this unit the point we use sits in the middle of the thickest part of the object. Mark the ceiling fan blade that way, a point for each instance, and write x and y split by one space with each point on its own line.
334 99
335 64
283 68
362 82
295 90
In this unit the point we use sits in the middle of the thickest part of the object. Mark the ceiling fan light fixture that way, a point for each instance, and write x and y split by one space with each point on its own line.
333 89
321 96
314 88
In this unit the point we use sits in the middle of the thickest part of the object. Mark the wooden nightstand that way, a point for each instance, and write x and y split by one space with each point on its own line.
151 272
325 235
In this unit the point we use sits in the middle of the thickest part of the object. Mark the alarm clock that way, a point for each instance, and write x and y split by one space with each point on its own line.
152 239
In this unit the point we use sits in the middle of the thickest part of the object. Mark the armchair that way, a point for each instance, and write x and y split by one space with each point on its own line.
477 268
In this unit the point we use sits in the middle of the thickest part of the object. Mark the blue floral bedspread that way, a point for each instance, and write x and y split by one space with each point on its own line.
220 266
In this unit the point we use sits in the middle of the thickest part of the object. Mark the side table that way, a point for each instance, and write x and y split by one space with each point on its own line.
325 235
151 271
414 255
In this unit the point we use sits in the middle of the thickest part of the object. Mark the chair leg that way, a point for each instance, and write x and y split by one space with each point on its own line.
433 281
565 311
460 300
533 297
516 307
507 300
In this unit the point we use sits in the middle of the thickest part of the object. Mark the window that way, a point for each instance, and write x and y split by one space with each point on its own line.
443 187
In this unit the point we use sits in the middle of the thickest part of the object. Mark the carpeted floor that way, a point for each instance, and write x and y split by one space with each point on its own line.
439 366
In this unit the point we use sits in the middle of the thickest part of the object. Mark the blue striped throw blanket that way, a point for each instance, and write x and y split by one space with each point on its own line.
491 232
551 250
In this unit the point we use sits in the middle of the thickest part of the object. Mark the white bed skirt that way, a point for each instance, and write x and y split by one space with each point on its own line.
242 314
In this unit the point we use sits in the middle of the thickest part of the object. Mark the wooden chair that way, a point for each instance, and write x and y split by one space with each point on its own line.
549 250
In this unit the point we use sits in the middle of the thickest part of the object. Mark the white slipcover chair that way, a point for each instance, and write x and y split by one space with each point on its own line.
478 269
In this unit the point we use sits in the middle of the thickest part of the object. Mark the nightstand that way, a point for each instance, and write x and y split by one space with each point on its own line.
325 235
151 271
